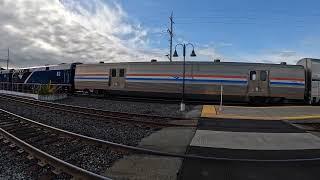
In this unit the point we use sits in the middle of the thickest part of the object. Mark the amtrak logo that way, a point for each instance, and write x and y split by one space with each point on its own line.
176 77
20 75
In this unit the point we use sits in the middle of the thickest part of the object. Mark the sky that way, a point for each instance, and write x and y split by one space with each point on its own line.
40 32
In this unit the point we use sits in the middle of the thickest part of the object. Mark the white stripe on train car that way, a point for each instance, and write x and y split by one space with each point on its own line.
25 82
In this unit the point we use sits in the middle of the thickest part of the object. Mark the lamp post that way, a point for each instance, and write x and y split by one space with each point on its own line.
175 54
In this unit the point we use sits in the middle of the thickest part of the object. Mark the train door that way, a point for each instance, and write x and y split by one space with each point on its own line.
117 78
258 83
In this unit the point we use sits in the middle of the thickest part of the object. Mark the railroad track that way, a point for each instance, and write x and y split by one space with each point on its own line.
36 139
188 101
145 119
25 135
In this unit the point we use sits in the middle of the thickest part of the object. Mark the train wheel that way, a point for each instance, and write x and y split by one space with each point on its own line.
258 100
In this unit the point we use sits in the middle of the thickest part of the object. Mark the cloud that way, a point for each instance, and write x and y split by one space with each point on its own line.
42 32
208 54
289 56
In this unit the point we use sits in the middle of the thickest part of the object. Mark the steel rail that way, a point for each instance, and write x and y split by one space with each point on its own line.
94 109
140 150
127 117
193 102
66 167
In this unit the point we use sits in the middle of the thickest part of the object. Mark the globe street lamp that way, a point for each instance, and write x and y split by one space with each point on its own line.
175 54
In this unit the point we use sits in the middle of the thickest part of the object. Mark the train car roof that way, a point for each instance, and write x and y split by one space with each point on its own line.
197 62
51 67
5 71
311 59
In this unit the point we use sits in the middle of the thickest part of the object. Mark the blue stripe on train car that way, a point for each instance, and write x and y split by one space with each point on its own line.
287 83
189 80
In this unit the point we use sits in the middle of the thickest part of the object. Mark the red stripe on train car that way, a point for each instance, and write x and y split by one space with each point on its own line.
88 74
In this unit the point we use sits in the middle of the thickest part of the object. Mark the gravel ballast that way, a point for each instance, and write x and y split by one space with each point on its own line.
160 109
124 133
90 157
16 166
95 159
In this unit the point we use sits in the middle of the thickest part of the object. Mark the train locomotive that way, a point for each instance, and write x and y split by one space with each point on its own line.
257 82
25 79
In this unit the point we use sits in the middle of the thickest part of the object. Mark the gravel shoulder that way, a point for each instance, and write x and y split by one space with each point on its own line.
161 109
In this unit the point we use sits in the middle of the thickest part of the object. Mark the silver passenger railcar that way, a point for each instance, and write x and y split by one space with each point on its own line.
312 73
203 80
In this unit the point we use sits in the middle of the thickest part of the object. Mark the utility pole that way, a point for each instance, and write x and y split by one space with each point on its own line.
170 31
8 59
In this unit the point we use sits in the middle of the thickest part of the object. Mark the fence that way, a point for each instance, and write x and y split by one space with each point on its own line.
33 88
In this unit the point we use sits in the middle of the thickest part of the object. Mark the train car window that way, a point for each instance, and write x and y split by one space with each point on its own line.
47 68
121 73
113 72
263 75
253 75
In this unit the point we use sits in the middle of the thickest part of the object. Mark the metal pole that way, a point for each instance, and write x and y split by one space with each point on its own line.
8 59
11 89
171 35
183 106
221 96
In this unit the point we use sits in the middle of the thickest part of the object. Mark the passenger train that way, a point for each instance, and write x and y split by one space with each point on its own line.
203 80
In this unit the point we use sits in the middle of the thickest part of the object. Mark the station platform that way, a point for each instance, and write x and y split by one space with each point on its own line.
251 139
262 113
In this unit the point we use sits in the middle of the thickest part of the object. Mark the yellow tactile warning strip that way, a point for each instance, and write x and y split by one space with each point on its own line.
259 113
208 111
231 116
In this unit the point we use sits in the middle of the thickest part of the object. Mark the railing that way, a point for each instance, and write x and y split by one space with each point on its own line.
34 87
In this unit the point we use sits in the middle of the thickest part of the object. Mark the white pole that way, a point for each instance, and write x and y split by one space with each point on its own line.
221 96
182 107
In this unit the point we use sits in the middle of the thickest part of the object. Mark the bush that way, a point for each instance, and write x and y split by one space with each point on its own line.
46 89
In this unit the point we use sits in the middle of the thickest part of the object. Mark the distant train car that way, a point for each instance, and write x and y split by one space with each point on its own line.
203 80
312 88
61 76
